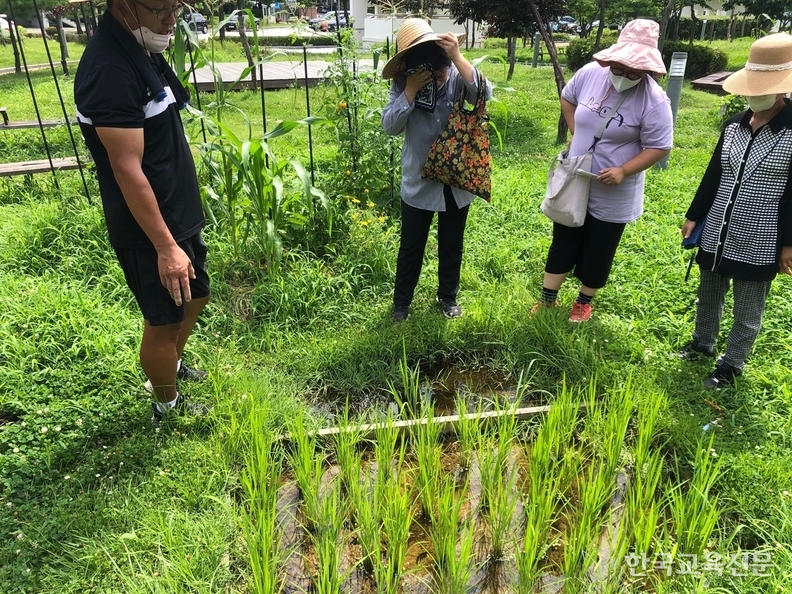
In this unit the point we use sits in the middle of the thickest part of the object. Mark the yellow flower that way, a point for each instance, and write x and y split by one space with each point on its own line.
370 204
381 219
366 190
342 105
355 201
348 172
364 223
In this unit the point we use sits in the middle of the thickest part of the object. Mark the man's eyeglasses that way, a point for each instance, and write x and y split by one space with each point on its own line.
628 75
162 14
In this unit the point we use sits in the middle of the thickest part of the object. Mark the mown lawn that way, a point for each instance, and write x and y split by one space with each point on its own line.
95 499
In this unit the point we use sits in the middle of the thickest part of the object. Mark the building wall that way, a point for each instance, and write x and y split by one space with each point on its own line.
716 9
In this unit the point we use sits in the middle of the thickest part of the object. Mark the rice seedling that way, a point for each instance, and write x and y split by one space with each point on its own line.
411 397
349 457
307 463
580 550
503 503
544 487
397 518
468 431
642 508
453 561
425 439
694 510
365 501
328 544
260 479
384 455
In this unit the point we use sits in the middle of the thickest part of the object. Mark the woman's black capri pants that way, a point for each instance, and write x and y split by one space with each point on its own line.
588 250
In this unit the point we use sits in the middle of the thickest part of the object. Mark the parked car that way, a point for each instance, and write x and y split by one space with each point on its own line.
233 23
4 25
565 24
330 19
196 21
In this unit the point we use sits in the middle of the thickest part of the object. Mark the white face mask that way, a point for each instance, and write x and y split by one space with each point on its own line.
761 102
155 43
622 83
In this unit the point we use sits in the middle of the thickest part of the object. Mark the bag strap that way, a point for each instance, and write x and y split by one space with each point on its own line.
604 125
479 96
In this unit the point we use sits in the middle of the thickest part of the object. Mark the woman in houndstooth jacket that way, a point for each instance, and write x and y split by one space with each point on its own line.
744 202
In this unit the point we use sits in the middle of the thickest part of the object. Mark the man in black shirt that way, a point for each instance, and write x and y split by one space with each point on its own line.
128 102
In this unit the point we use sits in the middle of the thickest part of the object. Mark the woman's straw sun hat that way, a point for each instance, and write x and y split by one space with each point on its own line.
768 70
636 48
412 33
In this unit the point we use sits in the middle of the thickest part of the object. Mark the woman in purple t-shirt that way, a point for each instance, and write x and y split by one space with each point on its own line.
637 136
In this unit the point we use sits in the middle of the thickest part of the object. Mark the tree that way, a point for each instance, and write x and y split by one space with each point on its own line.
506 18
774 9
417 7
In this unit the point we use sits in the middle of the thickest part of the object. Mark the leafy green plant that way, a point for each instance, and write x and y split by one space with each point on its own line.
694 509
425 440
307 462
260 480
329 543
453 562
367 163
730 106
397 518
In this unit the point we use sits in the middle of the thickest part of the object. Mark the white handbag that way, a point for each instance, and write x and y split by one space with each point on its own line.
569 182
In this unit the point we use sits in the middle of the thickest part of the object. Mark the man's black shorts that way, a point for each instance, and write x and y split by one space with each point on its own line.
142 277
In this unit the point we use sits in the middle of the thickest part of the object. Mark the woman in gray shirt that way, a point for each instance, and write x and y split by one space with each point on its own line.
429 73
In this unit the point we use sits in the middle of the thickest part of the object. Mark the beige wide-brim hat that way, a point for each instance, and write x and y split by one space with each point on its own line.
636 48
768 70
412 33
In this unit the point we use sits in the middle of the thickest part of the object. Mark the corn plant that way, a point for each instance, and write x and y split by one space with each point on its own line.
270 196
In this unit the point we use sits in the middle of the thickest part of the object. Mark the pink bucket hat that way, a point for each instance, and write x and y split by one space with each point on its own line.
636 48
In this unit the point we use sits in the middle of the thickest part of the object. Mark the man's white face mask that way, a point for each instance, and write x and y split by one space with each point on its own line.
156 43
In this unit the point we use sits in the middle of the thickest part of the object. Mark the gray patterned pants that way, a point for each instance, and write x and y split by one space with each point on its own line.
749 305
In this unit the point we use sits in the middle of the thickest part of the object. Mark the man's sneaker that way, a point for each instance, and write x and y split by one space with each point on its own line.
400 313
184 408
692 351
185 374
581 312
449 307
542 305
722 377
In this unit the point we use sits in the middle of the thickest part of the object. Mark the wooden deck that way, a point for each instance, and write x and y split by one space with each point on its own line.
277 75
712 82
42 166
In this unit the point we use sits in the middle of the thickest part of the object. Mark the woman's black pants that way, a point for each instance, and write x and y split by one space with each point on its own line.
414 233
